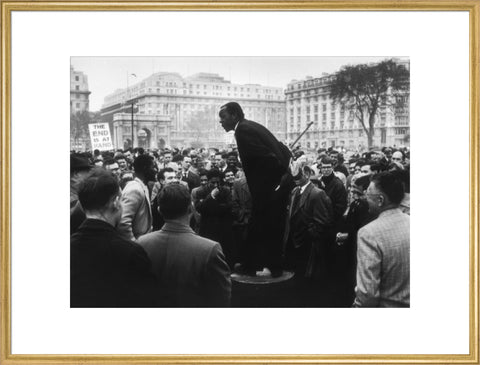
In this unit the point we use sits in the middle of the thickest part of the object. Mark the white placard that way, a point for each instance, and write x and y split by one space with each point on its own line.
100 136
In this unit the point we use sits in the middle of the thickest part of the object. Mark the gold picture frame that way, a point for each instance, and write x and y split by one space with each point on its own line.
470 6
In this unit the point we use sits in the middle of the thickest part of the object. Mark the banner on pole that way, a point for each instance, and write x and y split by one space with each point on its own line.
100 136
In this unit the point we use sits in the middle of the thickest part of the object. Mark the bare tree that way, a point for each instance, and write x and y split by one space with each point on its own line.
365 89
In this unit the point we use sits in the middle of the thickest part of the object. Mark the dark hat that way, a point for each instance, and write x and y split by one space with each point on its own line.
78 163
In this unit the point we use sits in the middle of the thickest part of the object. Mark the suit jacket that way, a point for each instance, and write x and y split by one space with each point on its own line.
312 217
241 202
197 194
137 213
108 271
191 269
192 179
216 215
338 195
264 159
383 255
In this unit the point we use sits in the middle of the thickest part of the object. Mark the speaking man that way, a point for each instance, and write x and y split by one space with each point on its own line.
265 162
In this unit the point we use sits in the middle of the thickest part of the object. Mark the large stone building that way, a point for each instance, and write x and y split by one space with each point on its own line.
308 101
79 93
79 110
175 111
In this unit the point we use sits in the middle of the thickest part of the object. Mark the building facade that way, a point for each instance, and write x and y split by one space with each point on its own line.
79 93
334 125
150 131
79 110
191 105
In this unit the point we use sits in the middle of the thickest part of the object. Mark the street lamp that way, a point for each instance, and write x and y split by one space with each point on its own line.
129 95
133 105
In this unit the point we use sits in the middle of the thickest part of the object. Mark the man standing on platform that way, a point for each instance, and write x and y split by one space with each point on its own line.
265 161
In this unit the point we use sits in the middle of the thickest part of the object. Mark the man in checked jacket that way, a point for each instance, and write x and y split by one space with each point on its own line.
383 269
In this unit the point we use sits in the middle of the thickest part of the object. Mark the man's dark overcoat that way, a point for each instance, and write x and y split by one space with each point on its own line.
107 270
265 161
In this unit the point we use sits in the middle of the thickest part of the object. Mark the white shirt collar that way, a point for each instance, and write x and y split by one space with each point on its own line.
302 189
235 128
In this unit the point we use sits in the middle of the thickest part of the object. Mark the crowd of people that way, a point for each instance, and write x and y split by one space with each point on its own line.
168 227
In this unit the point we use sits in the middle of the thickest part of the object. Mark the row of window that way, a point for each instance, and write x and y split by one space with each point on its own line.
205 93
213 87
311 83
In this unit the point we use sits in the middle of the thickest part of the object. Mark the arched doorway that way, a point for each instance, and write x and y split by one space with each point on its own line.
144 136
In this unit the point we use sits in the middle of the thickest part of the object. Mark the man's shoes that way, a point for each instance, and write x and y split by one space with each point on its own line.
244 270
276 272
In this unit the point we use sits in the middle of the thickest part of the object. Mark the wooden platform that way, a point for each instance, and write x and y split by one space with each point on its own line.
262 277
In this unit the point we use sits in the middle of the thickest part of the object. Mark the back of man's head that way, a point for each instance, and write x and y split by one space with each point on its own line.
98 188
78 163
142 163
202 172
174 201
390 183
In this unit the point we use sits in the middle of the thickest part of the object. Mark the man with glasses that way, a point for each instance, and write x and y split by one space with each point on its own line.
383 269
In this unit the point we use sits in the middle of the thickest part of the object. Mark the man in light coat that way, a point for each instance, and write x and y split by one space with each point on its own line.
137 214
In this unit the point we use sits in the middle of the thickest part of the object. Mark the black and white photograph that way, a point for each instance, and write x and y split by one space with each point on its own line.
243 182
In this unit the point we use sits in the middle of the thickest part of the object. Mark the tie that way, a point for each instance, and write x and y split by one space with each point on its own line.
296 200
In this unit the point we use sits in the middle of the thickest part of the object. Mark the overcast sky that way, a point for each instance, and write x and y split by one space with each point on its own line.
106 74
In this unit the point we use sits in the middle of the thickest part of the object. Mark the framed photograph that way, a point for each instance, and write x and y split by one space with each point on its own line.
242 43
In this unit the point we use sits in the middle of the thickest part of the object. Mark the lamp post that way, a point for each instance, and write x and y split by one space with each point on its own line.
133 103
